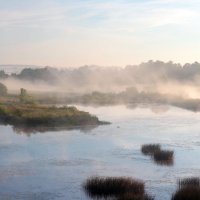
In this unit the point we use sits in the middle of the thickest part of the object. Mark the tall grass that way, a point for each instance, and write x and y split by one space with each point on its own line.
150 149
188 189
164 157
101 187
189 182
130 196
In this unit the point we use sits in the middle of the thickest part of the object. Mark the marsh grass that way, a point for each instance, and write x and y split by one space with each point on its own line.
150 149
164 157
46 116
188 189
161 157
105 187
189 182
130 196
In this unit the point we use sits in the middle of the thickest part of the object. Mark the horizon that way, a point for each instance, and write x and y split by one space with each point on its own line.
103 66
105 33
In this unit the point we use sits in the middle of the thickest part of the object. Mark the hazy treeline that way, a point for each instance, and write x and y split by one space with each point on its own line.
150 76
150 82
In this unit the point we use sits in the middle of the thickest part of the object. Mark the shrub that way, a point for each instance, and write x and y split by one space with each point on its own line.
163 157
187 193
130 196
113 187
189 182
189 189
150 149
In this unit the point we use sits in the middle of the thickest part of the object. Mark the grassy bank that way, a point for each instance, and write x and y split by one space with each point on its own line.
34 115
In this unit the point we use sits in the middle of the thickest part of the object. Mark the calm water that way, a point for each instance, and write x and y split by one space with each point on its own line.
53 165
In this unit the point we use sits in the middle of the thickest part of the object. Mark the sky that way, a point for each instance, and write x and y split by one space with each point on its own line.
70 33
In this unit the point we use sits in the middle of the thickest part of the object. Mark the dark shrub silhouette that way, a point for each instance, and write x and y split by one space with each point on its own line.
130 196
101 187
164 157
187 193
188 189
189 182
150 149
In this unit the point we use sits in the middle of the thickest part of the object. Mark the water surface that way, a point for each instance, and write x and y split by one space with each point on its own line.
53 165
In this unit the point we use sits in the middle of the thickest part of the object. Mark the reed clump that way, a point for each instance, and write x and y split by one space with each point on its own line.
188 189
161 157
150 149
187 182
118 188
130 196
112 186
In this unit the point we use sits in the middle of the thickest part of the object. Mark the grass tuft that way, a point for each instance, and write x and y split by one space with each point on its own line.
103 187
130 196
188 189
150 149
189 182
164 157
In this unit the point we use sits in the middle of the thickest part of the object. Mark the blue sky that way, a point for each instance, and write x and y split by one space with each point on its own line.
102 32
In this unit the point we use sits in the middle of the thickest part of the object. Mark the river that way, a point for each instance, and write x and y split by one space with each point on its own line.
54 165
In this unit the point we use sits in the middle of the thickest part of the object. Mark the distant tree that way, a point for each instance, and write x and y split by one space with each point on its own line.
3 90
23 95
3 75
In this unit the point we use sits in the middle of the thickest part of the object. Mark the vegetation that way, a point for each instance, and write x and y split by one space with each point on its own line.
112 186
163 157
150 149
187 193
24 97
160 156
189 182
120 188
131 196
3 90
189 189
32 115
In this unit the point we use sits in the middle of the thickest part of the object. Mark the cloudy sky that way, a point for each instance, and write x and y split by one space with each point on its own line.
101 32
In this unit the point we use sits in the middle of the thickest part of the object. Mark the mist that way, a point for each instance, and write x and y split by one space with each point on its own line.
153 82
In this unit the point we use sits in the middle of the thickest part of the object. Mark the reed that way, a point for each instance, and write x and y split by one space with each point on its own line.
164 157
150 149
103 187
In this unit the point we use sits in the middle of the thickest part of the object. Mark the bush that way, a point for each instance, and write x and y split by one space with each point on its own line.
130 196
101 187
189 189
189 182
163 157
150 149
187 193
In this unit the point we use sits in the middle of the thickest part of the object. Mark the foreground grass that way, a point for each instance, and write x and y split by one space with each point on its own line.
189 189
120 188
131 196
188 182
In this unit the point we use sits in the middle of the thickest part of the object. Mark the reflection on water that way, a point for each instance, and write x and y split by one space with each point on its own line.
27 130
55 164
155 108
